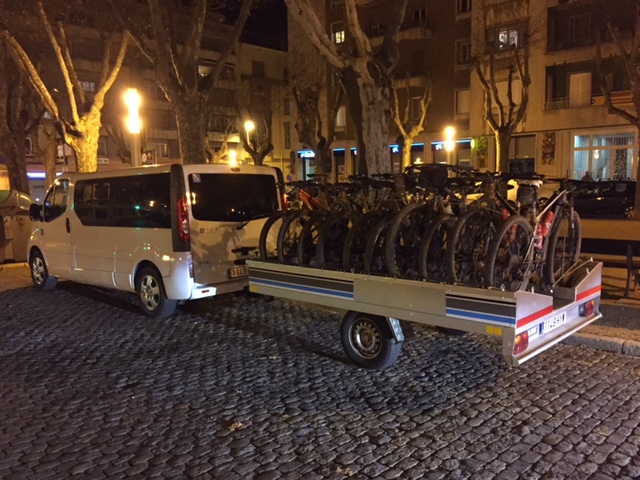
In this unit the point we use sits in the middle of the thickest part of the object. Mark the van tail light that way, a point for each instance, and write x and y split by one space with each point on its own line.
521 344
587 309
183 219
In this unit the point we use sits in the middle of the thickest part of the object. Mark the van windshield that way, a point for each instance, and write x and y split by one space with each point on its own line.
223 197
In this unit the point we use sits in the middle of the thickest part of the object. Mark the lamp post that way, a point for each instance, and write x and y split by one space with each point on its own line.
449 142
134 124
249 127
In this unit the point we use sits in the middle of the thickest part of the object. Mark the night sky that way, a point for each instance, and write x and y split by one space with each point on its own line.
267 25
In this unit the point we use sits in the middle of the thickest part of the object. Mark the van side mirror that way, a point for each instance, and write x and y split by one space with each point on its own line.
35 212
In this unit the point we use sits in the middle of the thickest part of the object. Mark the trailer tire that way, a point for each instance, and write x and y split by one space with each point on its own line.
368 341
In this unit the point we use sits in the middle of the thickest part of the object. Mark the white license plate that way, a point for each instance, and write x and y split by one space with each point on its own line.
236 272
554 322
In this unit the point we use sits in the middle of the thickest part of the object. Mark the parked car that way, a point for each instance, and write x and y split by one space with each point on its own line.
611 198
15 225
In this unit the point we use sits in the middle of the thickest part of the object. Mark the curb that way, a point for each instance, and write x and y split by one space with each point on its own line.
596 342
12 266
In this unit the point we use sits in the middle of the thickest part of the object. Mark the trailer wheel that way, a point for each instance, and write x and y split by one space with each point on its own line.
368 341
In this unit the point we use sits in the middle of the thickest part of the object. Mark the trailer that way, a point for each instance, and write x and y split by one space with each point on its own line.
374 307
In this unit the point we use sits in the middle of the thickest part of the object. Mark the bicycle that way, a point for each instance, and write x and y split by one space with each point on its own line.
537 247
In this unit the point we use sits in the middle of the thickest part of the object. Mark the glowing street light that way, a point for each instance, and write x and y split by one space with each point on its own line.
134 124
249 127
233 158
449 141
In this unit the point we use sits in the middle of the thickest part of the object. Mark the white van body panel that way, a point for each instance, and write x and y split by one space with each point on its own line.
110 256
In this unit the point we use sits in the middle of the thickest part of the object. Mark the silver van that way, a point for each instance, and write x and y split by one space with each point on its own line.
169 233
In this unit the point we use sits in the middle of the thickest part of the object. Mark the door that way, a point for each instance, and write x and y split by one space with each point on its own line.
55 237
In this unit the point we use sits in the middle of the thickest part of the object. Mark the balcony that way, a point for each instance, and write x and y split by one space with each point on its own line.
567 102
414 30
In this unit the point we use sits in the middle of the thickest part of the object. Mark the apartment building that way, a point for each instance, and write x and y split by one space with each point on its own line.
566 130
434 39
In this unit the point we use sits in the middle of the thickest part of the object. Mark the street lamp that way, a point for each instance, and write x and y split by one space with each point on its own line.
249 127
134 124
233 158
449 141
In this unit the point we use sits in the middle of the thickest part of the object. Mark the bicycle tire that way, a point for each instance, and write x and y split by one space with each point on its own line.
331 239
289 235
510 255
563 246
467 247
404 239
374 262
268 241
432 262
307 244
355 243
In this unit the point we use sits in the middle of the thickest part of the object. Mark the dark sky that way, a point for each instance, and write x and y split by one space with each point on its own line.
267 25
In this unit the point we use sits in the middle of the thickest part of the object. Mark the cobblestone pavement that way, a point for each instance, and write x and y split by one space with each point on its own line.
236 387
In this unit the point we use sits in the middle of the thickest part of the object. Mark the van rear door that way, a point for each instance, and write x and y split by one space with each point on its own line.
228 207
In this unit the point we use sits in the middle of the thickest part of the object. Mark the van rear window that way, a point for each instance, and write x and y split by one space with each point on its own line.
232 198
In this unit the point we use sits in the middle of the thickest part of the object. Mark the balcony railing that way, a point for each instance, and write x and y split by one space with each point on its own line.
568 102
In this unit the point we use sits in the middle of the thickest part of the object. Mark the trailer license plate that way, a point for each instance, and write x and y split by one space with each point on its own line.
554 322
236 272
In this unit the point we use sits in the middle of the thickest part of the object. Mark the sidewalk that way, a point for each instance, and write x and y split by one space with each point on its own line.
619 328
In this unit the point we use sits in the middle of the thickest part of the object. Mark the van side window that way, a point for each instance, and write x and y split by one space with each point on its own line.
140 201
55 203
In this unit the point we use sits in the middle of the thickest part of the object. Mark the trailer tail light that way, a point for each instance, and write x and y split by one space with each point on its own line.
183 219
587 308
521 344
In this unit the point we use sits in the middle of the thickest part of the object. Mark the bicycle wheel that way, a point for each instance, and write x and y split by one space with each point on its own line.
467 247
289 235
331 239
356 241
432 262
563 247
374 262
404 239
510 255
268 241
308 241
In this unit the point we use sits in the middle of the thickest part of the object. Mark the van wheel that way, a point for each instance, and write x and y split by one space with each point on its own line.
39 273
151 295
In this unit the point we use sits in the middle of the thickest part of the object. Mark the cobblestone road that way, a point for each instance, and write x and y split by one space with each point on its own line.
239 388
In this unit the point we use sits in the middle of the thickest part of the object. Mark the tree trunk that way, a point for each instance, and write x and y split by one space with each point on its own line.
17 167
406 151
192 132
370 110
503 140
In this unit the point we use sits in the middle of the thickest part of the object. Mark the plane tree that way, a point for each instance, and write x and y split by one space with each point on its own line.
170 36
365 73
74 106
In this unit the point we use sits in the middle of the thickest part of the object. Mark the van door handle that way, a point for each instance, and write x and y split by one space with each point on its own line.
68 225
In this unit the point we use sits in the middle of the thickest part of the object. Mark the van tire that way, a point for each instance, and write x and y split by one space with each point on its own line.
151 295
39 273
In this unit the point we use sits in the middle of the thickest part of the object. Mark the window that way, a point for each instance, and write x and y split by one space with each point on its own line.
257 68
377 29
463 6
55 203
608 156
419 16
580 89
154 91
341 119
506 37
337 32
102 147
462 102
287 134
141 201
161 149
463 52
286 107
232 198
89 87
415 109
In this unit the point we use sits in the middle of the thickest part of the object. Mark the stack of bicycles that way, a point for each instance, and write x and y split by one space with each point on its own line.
437 223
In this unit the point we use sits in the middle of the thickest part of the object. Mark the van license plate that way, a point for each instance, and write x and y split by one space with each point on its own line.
554 322
236 272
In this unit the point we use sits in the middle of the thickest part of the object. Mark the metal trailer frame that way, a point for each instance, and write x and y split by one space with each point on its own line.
372 335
